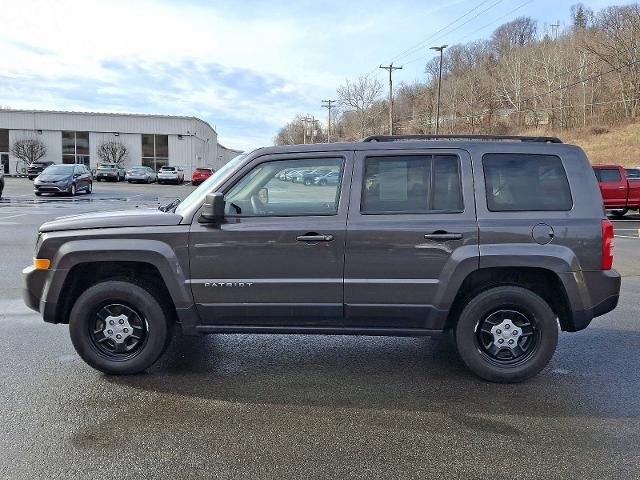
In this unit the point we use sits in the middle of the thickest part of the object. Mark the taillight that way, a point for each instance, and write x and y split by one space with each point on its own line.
607 245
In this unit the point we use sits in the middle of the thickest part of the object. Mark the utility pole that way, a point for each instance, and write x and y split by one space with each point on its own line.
555 29
306 119
329 104
313 129
439 49
390 68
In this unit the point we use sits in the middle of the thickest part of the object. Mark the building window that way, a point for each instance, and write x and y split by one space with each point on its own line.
75 147
155 151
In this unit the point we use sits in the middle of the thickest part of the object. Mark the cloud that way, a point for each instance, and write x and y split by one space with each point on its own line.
246 67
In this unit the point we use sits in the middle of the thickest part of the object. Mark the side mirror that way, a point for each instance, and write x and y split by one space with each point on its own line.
213 208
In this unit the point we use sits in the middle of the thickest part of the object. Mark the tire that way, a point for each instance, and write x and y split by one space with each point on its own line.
148 321
323 182
38 194
89 188
73 191
514 306
619 213
307 181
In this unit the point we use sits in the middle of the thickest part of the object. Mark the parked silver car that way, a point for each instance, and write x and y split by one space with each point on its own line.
110 171
141 174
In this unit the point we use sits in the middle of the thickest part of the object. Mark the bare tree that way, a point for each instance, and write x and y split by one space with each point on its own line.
360 97
113 152
617 43
29 150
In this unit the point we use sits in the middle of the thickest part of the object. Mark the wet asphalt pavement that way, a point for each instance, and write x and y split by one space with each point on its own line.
232 406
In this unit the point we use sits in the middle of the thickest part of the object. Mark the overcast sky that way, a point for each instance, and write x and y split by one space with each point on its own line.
246 67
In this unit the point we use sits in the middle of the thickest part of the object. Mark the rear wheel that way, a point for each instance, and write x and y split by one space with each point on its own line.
118 327
619 213
506 334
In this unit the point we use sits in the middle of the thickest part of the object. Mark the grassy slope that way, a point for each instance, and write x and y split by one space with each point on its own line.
621 145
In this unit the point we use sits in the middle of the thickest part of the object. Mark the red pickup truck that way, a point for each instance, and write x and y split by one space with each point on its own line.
620 188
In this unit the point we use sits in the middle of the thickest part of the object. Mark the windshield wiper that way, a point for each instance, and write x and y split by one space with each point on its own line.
169 206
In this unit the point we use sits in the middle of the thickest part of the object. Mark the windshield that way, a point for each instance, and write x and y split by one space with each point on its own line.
59 170
206 186
107 165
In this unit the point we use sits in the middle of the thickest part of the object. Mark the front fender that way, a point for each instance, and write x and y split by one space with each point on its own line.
153 252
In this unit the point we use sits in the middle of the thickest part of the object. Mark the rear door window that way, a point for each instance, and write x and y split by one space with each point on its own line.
609 175
526 182
412 184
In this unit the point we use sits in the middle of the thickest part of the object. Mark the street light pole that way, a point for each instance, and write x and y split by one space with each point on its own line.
439 49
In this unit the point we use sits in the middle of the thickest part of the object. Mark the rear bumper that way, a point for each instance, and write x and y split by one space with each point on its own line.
602 293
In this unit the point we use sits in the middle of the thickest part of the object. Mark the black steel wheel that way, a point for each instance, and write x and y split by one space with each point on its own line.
507 337
506 334
118 331
119 327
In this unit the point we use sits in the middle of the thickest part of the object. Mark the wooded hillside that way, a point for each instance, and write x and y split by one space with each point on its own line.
586 77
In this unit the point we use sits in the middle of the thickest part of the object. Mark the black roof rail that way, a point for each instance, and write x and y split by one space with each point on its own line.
520 138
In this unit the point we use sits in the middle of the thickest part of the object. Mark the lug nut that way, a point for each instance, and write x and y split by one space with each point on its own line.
118 336
500 340
121 321
125 330
507 326
498 331
110 332
111 322
515 332
510 342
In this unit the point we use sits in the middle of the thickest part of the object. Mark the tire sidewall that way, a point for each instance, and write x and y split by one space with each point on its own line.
129 294
507 297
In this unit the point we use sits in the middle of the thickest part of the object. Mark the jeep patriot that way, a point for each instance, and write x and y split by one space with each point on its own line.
501 241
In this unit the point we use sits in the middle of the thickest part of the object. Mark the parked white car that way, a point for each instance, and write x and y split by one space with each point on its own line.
170 174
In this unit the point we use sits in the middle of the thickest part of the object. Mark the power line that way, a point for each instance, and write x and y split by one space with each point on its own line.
522 5
423 42
458 27
408 62
427 39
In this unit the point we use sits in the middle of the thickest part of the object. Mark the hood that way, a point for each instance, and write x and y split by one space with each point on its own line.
131 218
52 178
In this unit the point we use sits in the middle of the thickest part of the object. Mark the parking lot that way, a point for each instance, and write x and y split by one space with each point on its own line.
269 406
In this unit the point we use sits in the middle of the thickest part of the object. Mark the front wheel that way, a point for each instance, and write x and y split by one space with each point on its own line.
118 327
90 188
506 334
72 190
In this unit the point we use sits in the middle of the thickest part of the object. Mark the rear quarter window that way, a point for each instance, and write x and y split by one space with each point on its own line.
526 182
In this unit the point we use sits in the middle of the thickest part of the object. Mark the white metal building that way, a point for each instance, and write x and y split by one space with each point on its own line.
74 137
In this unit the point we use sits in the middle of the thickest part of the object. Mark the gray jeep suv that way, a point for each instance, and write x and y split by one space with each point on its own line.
500 240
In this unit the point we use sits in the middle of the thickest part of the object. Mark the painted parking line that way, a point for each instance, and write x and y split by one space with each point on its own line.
12 216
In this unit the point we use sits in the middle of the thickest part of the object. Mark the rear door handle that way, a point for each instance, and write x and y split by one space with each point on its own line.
314 238
443 237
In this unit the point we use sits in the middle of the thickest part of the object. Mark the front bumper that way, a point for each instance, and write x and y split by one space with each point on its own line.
34 286
50 187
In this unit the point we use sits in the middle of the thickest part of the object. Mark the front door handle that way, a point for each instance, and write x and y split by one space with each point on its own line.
314 237
443 237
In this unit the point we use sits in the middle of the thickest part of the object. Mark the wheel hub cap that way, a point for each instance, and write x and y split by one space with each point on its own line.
506 334
117 328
